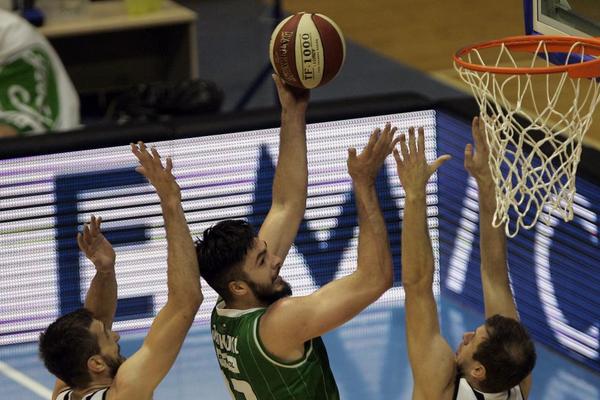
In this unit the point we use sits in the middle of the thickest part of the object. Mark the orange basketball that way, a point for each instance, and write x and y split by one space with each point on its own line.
307 50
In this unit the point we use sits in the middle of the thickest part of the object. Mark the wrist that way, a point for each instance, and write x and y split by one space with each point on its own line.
296 113
415 195
170 202
485 183
105 271
363 183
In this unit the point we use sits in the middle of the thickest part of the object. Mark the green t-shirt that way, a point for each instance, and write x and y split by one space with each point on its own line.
36 94
251 373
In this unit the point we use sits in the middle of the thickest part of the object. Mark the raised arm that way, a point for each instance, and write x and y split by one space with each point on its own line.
141 373
430 356
291 175
497 295
292 321
101 298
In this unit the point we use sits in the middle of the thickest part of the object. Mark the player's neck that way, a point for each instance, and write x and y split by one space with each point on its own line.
473 383
244 304
99 383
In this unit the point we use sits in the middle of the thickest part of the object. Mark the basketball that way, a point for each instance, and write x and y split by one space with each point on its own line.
307 50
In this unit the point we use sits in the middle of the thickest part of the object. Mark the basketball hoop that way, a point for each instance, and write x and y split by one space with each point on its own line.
534 139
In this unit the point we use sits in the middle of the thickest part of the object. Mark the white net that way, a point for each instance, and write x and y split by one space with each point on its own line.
534 128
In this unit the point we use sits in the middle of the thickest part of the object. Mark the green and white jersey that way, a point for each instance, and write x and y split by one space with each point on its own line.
36 94
253 374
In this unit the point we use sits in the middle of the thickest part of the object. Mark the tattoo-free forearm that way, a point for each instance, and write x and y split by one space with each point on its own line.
417 253
101 298
183 275
494 267
374 255
291 175
493 240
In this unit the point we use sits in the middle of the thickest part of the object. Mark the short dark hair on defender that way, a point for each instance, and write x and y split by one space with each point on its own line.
221 251
508 354
67 344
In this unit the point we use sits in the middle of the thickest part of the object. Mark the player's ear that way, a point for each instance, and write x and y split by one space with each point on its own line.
96 364
478 371
238 288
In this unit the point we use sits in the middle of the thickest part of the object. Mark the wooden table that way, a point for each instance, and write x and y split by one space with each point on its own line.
104 48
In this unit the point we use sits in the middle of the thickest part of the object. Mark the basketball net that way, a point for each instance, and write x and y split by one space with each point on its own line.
534 139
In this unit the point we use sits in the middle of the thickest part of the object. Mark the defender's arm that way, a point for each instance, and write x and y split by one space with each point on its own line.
430 356
497 295
142 372
292 321
101 298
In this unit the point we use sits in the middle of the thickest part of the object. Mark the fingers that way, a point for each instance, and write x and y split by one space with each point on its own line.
80 242
150 161
277 80
438 163
422 142
404 148
397 157
468 155
412 142
351 153
395 142
373 139
95 225
477 130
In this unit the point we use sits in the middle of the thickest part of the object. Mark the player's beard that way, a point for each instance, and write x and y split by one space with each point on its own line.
268 294
114 363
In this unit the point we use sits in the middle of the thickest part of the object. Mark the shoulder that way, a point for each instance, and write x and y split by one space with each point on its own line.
101 394
63 394
16 33
279 314
278 329
454 390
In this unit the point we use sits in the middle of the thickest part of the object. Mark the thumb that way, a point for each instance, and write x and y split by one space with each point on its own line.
437 163
351 153
468 155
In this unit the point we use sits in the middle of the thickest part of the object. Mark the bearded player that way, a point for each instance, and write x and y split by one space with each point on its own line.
495 361
268 343
81 349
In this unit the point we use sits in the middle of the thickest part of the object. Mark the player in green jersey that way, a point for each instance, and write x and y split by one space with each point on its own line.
267 342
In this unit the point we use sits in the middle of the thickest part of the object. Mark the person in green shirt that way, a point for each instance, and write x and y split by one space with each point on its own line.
267 342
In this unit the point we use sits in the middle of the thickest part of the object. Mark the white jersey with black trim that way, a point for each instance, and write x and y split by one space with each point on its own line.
464 391
99 394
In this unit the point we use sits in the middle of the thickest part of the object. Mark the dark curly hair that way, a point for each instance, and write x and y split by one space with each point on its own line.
221 251
66 346
508 354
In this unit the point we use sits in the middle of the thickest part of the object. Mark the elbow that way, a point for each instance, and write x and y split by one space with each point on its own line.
387 282
189 301
417 283
382 284
195 300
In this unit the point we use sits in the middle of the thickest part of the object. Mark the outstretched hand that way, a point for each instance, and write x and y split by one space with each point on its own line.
476 162
363 168
95 246
160 177
291 98
413 169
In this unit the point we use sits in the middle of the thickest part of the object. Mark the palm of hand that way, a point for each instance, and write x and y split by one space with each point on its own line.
364 166
415 173
101 253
